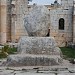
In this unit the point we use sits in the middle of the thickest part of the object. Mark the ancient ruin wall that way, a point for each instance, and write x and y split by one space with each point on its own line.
5 28
3 22
62 36
18 19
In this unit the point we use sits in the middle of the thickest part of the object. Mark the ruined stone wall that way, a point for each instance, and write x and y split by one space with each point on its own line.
19 10
12 13
61 36
13 20
67 3
65 11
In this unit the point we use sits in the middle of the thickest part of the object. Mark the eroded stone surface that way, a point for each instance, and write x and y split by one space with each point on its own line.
35 70
36 51
38 45
37 22
33 60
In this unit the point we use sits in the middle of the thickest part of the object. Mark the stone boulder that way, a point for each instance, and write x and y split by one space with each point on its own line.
37 21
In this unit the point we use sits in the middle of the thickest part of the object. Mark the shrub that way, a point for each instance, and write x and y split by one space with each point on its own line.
2 55
6 50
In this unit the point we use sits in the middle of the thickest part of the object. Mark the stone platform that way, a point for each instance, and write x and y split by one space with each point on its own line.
65 68
36 51
33 60
38 45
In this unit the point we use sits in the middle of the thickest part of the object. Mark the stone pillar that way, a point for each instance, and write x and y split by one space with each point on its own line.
13 21
3 21
21 11
74 30
8 21
0 21
74 25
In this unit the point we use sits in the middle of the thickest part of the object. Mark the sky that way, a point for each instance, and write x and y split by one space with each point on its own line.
43 2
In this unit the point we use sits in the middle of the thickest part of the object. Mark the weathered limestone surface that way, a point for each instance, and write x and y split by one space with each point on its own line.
61 36
17 22
38 45
74 25
3 21
36 51
33 60
37 21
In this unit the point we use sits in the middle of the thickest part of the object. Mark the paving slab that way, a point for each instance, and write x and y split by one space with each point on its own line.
67 74
29 73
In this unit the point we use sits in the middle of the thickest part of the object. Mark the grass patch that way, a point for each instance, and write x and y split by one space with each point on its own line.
6 50
68 52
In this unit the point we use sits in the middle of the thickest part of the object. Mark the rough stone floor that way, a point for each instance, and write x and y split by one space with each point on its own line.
65 68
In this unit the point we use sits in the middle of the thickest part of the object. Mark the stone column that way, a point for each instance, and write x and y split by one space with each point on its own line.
74 31
74 25
21 11
3 21
13 21
0 21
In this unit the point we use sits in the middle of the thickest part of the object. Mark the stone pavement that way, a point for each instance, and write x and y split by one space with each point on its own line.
13 71
65 68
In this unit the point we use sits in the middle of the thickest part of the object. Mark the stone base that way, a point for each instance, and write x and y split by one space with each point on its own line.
36 51
33 60
38 45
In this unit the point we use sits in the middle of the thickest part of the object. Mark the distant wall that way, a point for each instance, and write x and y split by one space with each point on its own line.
61 36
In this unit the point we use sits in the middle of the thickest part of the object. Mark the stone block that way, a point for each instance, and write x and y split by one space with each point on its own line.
33 60
38 45
36 51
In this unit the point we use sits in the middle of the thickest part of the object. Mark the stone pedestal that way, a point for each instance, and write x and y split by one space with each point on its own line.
35 51
33 60
38 45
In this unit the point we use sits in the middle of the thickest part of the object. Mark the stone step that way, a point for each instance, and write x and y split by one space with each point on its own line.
38 45
33 60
